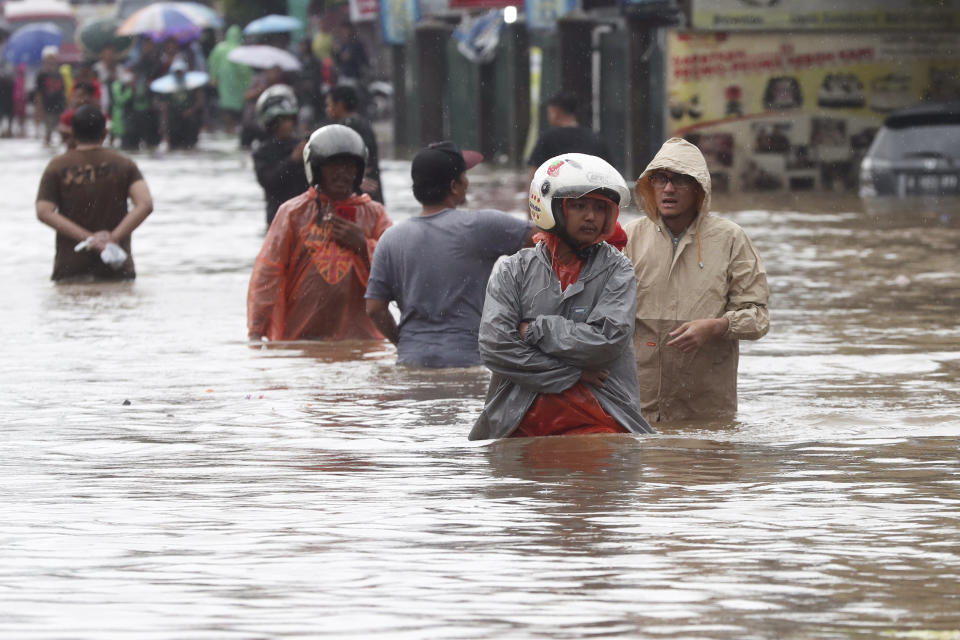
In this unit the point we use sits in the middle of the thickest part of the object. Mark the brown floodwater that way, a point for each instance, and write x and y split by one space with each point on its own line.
164 479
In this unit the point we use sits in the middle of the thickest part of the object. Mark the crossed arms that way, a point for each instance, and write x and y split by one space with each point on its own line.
550 353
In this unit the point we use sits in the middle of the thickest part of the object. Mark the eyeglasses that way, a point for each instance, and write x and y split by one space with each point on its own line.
678 180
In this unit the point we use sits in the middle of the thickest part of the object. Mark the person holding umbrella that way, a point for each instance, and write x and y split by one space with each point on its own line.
275 63
143 124
160 21
101 43
51 96
182 103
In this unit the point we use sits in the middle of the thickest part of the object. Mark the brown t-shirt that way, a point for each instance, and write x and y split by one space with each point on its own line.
89 187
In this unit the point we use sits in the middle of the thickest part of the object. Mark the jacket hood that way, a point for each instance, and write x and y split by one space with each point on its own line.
679 156
234 35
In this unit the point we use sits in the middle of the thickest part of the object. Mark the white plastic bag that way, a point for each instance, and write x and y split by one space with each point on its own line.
112 255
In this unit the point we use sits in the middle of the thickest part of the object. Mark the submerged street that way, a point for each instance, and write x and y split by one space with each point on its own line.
164 479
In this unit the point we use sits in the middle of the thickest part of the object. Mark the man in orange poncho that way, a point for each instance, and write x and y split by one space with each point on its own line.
557 325
309 280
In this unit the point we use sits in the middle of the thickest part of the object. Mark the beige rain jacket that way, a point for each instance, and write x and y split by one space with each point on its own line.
715 273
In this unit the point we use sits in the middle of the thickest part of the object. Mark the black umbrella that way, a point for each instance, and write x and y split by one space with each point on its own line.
102 33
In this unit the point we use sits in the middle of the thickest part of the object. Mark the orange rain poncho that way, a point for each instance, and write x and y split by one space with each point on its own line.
304 284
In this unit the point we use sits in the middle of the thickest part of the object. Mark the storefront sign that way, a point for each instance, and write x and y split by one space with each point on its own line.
364 10
797 111
397 19
818 15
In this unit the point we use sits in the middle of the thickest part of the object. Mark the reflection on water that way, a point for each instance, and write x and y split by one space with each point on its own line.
161 474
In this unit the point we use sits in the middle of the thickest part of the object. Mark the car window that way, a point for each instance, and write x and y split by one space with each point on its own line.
930 141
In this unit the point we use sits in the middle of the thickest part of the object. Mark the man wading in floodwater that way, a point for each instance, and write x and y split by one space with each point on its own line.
703 288
309 279
278 160
557 323
436 265
83 195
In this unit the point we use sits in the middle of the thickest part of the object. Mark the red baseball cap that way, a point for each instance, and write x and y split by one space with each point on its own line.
441 162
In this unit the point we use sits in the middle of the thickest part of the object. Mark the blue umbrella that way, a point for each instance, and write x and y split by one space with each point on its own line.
273 23
26 45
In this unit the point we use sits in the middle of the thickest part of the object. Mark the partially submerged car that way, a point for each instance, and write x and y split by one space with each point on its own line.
915 153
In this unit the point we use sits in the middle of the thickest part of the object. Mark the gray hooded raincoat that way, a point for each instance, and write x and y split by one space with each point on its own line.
587 326
715 272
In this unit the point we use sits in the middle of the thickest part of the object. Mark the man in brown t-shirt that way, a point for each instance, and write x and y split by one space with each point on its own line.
83 196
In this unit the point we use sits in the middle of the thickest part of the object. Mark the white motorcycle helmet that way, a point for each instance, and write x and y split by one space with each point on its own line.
571 175
276 101
329 141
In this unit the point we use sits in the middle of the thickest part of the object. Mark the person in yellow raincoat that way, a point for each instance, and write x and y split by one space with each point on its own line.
309 279
701 288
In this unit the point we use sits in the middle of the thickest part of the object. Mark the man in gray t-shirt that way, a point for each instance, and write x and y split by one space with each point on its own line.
436 265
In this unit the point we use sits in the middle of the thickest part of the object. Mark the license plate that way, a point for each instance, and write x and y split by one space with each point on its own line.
931 183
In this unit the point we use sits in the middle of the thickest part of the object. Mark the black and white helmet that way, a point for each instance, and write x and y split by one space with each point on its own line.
328 142
276 101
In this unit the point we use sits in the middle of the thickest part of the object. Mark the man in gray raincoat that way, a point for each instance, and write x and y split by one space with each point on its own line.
558 318
701 289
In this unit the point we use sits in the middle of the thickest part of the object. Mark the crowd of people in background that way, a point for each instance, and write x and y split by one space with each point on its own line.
139 117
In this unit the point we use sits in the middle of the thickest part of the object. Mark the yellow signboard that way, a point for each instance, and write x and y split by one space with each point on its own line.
798 111
830 15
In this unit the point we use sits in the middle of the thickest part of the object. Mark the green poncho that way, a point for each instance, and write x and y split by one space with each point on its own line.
230 78
122 94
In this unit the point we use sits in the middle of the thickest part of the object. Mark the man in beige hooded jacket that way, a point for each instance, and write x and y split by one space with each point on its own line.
701 288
